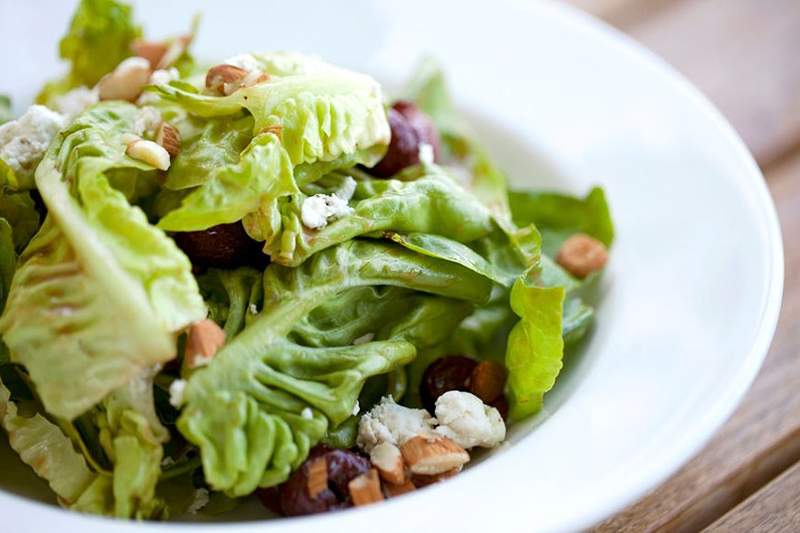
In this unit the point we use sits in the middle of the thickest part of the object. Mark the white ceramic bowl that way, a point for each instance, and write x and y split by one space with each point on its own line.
693 289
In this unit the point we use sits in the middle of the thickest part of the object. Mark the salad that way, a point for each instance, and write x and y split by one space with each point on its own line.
264 277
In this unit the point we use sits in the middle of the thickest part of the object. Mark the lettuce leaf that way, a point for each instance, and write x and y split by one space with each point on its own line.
559 215
44 447
19 211
99 37
233 297
99 293
5 109
432 203
535 347
8 263
264 400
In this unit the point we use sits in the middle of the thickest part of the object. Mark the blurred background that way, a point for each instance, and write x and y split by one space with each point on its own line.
745 56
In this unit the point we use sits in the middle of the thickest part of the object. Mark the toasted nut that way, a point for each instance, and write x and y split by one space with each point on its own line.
254 77
386 457
173 51
126 81
317 476
152 51
396 490
224 79
366 488
205 338
422 480
581 255
488 381
149 152
433 455
128 138
169 137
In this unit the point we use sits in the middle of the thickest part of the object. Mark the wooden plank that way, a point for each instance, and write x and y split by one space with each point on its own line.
742 54
775 508
763 437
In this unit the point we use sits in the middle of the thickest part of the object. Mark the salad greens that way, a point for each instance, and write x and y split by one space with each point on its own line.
105 390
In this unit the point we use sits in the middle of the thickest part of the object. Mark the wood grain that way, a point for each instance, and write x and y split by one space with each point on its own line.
774 508
741 53
763 436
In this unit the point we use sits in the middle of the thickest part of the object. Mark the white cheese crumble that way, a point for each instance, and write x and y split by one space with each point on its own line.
307 413
147 121
167 462
243 61
201 360
392 423
201 499
356 408
317 210
162 76
176 390
363 339
464 419
253 309
426 154
24 141
73 102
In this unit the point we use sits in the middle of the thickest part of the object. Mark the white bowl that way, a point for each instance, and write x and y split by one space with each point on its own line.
693 290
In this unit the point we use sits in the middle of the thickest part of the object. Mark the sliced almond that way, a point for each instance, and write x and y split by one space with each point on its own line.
126 81
174 51
149 152
254 77
433 455
366 488
386 457
581 255
152 51
205 338
224 79
317 477
392 491
422 480
488 381
169 137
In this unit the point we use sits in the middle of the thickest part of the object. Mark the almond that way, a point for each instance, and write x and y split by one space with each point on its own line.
386 457
152 51
366 488
254 77
126 81
581 255
224 79
205 338
488 381
173 51
422 480
433 455
149 152
396 490
169 137
317 477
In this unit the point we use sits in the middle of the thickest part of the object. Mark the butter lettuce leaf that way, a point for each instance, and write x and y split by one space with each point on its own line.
535 347
99 293
19 211
5 109
264 400
99 37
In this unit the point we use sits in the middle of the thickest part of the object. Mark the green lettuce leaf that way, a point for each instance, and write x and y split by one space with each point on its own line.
19 211
8 263
535 347
5 109
44 447
264 400
559 215
233 297
99 37
432 203
99 293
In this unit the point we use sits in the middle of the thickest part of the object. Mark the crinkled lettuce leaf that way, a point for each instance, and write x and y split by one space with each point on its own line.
8 263
233 297
99 293
43 446
99 37
432 203
535 346
264 400
560 215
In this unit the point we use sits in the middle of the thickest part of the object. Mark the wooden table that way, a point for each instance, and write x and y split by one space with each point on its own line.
745 56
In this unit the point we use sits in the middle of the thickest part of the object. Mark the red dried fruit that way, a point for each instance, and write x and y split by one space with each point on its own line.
223 246
420 121
343 467
452 372
403 148
501 404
